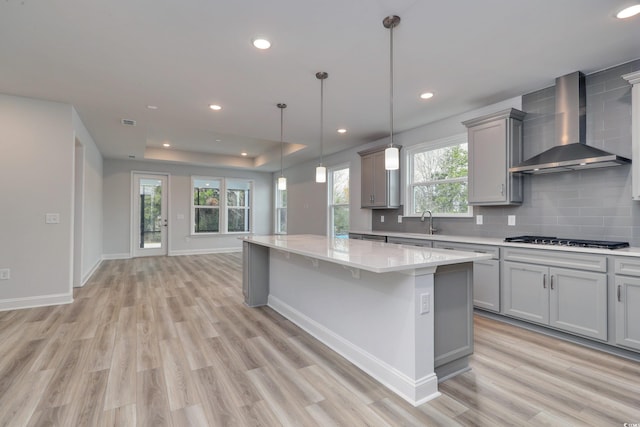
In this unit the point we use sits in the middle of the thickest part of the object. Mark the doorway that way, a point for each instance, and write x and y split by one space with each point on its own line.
150 217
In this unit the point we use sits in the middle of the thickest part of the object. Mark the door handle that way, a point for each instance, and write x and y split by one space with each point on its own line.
552 281
619 293
544 281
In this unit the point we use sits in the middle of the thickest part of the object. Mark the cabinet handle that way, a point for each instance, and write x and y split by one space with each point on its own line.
552 281
502 189
544 281
619 293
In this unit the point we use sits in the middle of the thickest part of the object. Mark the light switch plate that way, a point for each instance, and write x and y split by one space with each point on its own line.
52 218
511 220
5 274
479 219
381 218
399 219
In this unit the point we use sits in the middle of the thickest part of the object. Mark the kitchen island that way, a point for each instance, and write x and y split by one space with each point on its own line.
402 314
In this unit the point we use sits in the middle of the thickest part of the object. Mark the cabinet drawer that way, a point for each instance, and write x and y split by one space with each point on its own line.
627 266
557 259
412 242
469 247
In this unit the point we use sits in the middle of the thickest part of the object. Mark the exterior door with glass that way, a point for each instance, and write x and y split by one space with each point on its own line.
150 219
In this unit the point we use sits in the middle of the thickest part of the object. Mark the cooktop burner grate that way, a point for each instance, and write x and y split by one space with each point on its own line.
546 240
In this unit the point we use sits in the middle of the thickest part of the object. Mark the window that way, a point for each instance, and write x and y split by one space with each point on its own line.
281 210
238 209
212 213
339 202
437 178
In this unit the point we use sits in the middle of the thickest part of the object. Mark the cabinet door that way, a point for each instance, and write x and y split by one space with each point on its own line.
367 181
628 312
578 302
379 180
525 292
488 162
486 284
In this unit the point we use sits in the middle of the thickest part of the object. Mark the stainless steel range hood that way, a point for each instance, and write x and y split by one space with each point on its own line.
571 151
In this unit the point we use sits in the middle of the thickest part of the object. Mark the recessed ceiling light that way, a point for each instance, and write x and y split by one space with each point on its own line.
342 130
426 95
629 12
215 107
218 140
152 107
243 154
166 144
261 43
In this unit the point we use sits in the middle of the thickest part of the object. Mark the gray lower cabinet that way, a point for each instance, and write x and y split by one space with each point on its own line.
570 299
255 274
486 274
627 303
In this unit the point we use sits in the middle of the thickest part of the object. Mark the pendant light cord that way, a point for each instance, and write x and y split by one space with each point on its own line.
281 106
391 85
321 119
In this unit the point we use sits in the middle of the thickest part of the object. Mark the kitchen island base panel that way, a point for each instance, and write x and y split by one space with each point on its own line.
374 320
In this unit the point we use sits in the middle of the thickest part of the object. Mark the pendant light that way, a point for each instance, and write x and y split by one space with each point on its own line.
391 153
282 181
321 171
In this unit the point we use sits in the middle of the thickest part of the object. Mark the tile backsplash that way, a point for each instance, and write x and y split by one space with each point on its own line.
589 204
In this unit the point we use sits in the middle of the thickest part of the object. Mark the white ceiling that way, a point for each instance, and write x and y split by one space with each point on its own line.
111 59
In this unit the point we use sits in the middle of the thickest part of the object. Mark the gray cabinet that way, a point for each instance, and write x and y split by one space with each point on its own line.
486 274
374 237
380 187
571 299
411 242
495 144
255 274
627 303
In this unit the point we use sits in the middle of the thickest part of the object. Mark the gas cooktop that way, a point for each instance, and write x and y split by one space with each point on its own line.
546 240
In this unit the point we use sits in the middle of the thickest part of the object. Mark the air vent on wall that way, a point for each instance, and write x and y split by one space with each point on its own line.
128 122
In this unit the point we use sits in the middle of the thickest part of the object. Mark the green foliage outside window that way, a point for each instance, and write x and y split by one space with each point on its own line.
440 180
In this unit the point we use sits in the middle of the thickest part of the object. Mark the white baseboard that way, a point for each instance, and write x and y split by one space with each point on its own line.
87 276
204 251
31 302
415 392
116 256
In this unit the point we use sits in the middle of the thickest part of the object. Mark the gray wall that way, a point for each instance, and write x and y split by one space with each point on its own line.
117 207
36 177
591 204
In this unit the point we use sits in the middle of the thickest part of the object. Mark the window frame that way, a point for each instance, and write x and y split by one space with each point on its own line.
330 204
222 207
408 176
278 208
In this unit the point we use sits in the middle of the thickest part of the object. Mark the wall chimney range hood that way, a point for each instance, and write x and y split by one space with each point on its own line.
570 152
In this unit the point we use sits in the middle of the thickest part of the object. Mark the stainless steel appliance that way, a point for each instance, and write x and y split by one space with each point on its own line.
546 240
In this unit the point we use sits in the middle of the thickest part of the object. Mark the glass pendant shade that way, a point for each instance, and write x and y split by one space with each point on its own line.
282 183
321 174
392 158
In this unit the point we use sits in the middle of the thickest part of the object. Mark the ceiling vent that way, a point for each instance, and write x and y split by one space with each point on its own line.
128 122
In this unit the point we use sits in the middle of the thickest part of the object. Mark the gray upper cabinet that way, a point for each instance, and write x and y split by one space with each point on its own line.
495 144
380 187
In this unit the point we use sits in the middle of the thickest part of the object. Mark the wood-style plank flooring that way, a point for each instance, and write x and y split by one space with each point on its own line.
166 341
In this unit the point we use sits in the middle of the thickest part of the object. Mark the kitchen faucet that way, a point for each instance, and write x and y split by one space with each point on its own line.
430 230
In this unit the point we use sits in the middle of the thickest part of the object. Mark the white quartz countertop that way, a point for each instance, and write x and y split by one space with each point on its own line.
377 257
495 241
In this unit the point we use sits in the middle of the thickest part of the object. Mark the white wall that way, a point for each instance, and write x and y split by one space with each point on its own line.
307 200
91 200
36 177
117 207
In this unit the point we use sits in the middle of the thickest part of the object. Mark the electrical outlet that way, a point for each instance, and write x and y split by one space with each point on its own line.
399 219
381 218
425 303
5 274
511 220
479 219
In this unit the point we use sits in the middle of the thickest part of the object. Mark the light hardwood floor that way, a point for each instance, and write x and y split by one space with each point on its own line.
167 341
